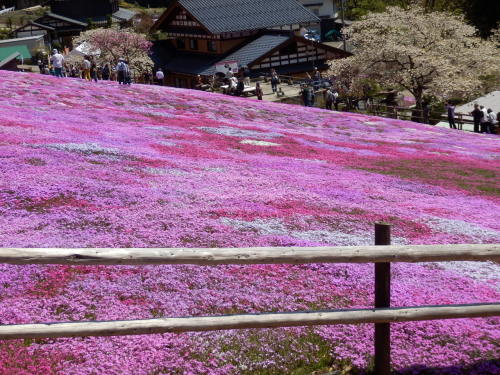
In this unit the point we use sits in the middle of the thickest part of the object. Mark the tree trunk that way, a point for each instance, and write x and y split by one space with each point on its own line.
417 113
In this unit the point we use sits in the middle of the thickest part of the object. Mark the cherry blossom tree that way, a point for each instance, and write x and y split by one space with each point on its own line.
111 44
426 53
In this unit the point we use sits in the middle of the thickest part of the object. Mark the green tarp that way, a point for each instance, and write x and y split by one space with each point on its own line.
7 51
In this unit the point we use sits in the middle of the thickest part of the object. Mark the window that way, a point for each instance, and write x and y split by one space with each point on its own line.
212 45
193 44
181 44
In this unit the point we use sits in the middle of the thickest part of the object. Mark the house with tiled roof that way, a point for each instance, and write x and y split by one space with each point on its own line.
68 18
197 36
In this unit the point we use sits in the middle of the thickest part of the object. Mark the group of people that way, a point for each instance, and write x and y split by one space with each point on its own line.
236 82
485 120
88 69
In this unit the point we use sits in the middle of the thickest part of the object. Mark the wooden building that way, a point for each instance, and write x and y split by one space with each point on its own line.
10 62
197 36
22 4
68 18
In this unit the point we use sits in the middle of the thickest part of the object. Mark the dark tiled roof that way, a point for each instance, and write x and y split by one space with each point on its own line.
66 19
220 16
251 51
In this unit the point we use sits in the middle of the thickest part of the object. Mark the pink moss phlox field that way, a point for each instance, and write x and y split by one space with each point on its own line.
97 165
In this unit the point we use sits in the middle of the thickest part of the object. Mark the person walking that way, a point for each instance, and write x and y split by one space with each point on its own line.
121 70
86 68
274 81
451 115
304 94
426 112
160 77
477 115
311 96
93 70
329 99
106 72
57 61
128 74
336 100
484 119
246 75
240 87
492 120
258 91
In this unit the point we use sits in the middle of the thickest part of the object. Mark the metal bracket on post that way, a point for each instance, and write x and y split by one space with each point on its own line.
382 299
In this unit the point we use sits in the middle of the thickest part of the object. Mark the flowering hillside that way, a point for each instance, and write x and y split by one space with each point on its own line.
97 165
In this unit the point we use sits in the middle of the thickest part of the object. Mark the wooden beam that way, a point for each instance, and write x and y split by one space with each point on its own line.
263 255
269 320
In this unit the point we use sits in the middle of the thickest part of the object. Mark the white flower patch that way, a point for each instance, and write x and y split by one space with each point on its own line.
275 227
163 171
165 129
84 148
480 271
148 111
241 133
258 143
167 143
459 227
339 238
271 227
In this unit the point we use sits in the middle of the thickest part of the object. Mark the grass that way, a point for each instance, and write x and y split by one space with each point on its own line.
475 180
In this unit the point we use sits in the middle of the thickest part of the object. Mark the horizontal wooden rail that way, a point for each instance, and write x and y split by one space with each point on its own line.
263 255
268 320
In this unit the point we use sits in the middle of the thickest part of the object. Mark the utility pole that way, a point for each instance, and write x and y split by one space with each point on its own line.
343 23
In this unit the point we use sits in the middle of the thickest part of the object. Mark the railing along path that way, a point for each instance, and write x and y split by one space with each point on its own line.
382 315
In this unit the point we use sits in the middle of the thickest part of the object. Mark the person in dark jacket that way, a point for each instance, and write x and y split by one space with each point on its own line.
450 108
304 93
240 87
477 115
93 70
274 81
258 91
106 72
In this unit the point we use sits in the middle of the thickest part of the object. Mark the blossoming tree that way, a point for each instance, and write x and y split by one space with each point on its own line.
426 53
111 44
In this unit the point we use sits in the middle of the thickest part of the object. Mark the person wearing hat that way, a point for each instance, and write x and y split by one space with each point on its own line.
57 61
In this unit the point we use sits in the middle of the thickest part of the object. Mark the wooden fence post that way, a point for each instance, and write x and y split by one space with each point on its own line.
382 299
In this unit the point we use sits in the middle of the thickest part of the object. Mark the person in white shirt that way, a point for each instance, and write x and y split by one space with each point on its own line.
160 77
492 120
86 68
484 119
57 61
233 83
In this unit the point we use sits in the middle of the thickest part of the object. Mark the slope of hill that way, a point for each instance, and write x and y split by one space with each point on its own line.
96 165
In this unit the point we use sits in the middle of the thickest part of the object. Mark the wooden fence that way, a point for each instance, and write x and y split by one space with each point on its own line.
382 254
